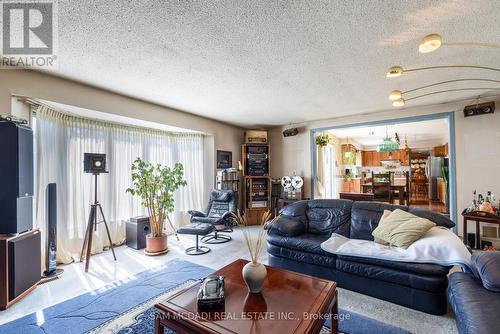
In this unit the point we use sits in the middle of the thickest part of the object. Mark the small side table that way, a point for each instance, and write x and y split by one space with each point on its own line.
479 217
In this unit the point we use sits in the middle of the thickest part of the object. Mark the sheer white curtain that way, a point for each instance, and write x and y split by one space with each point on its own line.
61 141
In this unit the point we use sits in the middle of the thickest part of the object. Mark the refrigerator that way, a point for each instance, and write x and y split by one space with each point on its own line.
433 171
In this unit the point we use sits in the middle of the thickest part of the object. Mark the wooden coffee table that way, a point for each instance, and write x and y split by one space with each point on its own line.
289 303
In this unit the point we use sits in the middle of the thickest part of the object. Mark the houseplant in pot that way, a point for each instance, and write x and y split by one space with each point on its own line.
155 185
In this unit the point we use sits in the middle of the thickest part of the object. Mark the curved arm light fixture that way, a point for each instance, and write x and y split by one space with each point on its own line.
432 42
396 71
401 101
397 94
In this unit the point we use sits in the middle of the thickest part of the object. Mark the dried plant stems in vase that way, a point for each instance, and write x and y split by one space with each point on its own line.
254 273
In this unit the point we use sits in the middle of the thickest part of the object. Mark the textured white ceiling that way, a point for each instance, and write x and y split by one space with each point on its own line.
423 134
257 63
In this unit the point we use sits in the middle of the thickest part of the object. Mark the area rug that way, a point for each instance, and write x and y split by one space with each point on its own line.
126 307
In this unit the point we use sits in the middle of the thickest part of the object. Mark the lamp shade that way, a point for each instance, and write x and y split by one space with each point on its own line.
395 95
388 145
394 71
398 103
429 43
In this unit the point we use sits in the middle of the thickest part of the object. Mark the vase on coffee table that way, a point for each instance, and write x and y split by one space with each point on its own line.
254 275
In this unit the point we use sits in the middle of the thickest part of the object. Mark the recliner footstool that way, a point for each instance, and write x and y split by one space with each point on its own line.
197 229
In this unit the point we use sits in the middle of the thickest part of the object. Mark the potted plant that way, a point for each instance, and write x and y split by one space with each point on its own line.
155 185
323 139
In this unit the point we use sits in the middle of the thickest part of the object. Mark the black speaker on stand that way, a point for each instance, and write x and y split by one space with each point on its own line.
51 270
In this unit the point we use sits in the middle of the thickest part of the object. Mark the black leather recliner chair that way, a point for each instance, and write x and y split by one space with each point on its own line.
219 212
294 243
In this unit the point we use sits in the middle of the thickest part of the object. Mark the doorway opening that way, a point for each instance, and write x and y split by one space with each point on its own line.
408 161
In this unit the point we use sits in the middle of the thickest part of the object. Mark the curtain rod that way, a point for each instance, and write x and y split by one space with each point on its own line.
36 103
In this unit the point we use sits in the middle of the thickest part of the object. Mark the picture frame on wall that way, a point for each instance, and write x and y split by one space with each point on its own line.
224 159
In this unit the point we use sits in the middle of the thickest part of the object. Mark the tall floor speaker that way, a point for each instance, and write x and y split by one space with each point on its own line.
51 235
16 171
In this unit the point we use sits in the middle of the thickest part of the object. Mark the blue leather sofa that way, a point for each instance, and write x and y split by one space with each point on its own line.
475 298
293 243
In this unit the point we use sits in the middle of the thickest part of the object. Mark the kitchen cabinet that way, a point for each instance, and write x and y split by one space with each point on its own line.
373 158
351 186
440 151
395 155
367 158
441 190
403 158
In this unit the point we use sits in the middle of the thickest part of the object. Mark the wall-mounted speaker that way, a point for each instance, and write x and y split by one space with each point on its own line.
479 109
290 132
16 170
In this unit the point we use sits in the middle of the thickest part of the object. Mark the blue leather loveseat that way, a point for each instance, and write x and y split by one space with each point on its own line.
293 243
475 298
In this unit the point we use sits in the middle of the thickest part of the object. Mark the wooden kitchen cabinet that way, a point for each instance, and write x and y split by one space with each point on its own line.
373 158
441 190
403 158
351 186
376 159
440 151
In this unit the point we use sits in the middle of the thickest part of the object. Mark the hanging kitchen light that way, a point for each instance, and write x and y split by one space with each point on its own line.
388 145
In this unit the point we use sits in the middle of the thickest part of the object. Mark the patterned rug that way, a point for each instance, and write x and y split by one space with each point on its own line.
126 307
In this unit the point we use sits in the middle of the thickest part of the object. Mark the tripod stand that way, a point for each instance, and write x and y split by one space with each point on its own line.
92 226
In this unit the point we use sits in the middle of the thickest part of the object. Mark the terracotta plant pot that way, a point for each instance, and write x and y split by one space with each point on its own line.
156 244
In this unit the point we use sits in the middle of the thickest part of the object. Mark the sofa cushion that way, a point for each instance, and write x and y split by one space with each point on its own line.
302 248
475 308
305 242
327 216
365 217
402 228
296 211
410 279
487 266
288 227
418 268
435 217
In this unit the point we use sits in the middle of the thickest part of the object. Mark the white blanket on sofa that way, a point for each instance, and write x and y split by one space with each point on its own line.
438 246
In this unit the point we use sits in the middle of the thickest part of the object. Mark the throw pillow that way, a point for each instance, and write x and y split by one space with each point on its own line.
402 228
487 265
384 216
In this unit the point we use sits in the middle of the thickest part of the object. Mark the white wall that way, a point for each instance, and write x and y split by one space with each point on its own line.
42 86
477 148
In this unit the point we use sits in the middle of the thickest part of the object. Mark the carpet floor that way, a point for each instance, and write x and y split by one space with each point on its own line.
126 306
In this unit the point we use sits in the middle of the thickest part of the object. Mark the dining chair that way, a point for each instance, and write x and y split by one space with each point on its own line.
381 187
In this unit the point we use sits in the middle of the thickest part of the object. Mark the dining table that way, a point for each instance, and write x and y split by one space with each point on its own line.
400 188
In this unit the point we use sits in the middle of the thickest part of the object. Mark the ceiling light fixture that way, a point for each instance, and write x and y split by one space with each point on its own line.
401 102
396 71
398 103
388 145
433 42
397 94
